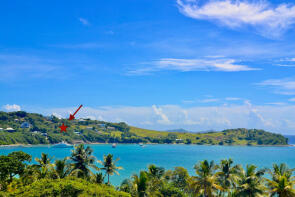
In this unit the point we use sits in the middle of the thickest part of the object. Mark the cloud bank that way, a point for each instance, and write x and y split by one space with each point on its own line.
275 118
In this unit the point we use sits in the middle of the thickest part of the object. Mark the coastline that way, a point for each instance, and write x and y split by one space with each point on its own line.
99 143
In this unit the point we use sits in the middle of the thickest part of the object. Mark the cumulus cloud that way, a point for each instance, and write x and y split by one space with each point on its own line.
186 65
269 20
12 107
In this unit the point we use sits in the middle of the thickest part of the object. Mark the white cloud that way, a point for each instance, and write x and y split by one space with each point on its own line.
280 86
292 99
276 118
84 21
12 107
164 119
186 65
232 99
268 19
209 100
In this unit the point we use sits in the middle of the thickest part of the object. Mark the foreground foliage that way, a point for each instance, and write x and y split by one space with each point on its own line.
81 175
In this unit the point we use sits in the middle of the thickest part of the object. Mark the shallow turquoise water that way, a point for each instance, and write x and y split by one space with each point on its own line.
134 158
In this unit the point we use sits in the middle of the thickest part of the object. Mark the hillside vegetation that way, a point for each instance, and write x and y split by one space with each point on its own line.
45 130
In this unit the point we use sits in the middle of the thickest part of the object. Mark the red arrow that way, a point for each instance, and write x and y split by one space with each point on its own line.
72 117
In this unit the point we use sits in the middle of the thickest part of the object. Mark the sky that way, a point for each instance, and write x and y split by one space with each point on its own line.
193 64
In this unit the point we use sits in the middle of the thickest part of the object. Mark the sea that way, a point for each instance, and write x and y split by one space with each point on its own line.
134 158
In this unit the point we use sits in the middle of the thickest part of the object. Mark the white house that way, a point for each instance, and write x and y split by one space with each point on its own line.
9 129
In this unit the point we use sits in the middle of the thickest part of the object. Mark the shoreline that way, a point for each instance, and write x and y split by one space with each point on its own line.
98 143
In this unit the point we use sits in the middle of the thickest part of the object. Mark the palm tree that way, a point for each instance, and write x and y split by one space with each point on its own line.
99 178
282 182
83 161
156 178
62 169
228 174
206 182
44 165
251 182
109 166
140 184
128 186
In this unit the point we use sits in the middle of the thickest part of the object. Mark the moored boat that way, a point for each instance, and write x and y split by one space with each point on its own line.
114 145
62 144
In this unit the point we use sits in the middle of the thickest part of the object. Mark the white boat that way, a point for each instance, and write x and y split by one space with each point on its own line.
62 144
114 145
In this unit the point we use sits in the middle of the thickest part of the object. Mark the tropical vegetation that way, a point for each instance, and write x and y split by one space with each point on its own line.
45 130
81 174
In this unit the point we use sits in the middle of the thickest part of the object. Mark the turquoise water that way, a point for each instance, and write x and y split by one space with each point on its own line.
134 158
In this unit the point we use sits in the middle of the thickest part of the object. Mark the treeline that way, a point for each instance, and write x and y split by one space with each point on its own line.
45 130
79 175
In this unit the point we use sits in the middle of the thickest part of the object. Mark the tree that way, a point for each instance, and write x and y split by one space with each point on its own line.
228 174
282 182
62 169
109 166
12 165
141 184
99 178
251 182
82 161
155 176
205 183
44 165
180 177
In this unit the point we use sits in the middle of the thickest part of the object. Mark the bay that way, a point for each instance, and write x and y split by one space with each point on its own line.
134 158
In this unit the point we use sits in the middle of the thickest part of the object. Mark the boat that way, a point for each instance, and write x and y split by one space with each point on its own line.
63 144
114 145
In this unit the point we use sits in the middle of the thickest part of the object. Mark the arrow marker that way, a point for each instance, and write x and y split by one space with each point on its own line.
72 117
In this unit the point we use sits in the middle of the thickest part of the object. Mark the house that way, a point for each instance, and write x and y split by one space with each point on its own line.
44 134
36 132
77 133
25 125
9 129
111 128
101 125
1 129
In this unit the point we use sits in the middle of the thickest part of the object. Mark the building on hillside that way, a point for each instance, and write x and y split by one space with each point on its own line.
111 128
77 133
9 129
101 125
1 129
36 132
25 125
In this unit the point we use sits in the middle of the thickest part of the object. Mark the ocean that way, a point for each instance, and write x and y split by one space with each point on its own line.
134 158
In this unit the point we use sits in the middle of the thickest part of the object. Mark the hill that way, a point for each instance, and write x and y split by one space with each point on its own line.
32 128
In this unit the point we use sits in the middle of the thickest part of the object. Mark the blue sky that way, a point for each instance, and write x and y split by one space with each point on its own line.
166 64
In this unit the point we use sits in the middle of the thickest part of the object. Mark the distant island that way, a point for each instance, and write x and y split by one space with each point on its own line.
32 128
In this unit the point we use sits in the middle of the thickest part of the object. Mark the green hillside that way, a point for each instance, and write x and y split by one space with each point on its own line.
45 130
